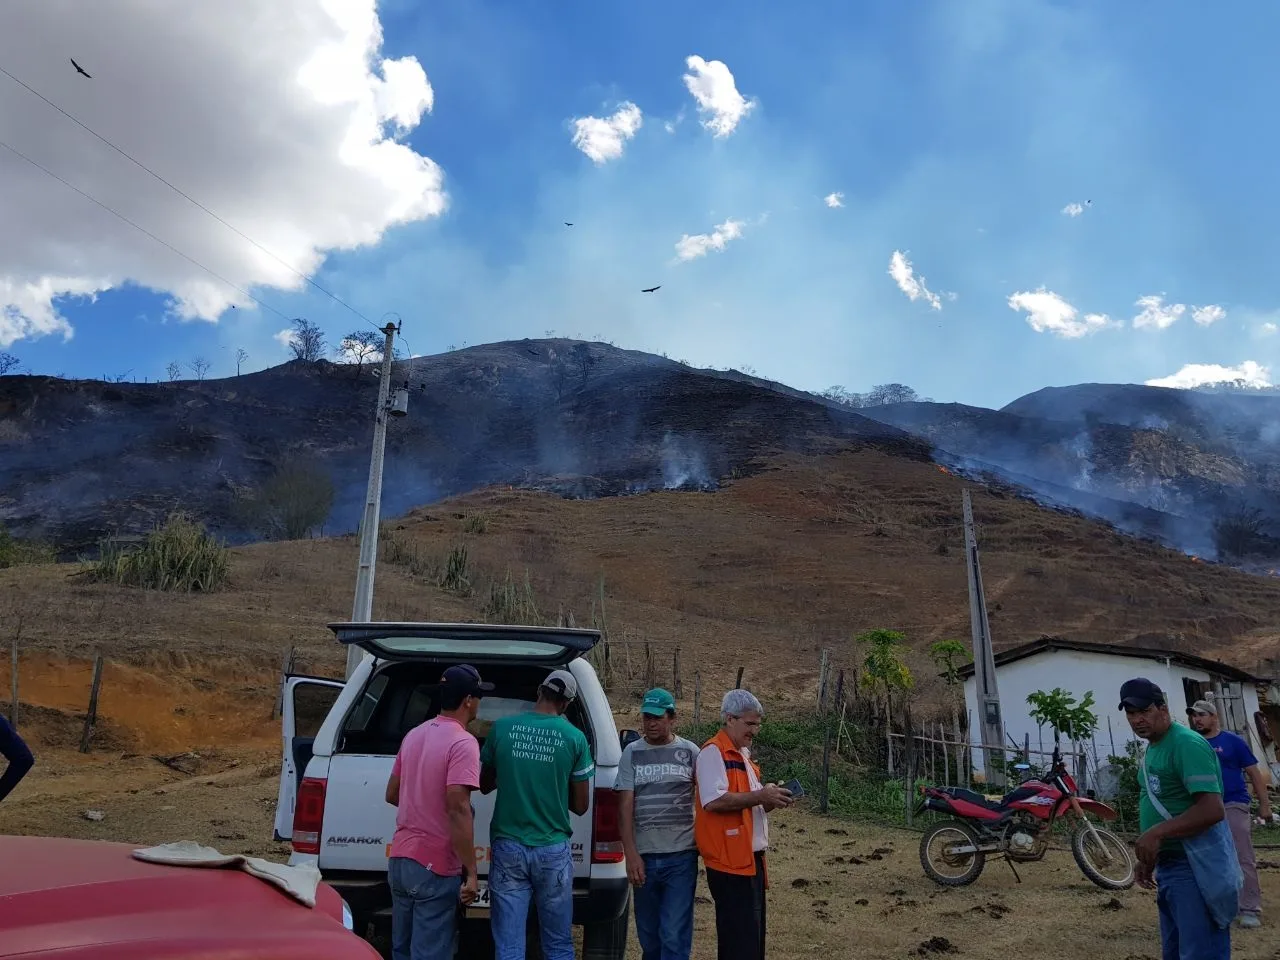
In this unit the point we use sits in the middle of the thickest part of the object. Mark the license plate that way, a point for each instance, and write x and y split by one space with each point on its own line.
480 906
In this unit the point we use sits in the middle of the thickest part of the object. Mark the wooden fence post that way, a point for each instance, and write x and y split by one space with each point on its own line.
604 634
677 686
737 684
650 675
824 797
946 753
908 763
286 668
823 669
888 730
91 717
824 794
13 679
697 697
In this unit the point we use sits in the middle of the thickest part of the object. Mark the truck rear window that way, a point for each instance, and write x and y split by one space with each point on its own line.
403 695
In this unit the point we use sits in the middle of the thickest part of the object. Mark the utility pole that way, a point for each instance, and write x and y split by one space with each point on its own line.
362 611
988 696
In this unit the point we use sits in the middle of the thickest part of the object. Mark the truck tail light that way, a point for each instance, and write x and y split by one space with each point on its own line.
606 846
308 815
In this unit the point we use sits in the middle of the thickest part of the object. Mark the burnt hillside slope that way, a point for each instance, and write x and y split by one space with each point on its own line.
83 459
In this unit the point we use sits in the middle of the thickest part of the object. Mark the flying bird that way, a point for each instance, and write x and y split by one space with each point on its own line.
568 224
651 289
79 69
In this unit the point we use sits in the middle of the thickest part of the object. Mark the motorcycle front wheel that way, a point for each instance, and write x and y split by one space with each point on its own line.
947 869
1103 857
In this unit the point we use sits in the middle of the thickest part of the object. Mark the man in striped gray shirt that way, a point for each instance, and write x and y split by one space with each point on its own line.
655 786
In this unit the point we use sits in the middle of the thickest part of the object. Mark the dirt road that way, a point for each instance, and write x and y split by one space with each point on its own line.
838 889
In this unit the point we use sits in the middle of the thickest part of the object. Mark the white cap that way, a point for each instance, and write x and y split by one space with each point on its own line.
561 682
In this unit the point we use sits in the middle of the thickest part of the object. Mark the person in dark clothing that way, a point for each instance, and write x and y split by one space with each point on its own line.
14 750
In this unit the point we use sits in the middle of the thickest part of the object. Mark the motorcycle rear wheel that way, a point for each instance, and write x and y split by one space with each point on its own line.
1115 854
945 834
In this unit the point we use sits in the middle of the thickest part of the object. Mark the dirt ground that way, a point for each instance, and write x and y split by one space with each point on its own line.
822 903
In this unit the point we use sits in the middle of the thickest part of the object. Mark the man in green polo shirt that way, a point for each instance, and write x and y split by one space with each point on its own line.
1182 776
541 765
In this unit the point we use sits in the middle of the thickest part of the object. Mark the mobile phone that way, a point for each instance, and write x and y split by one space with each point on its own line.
794 787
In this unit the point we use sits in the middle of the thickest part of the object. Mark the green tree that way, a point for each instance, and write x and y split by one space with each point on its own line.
949 655
883 670
1058 709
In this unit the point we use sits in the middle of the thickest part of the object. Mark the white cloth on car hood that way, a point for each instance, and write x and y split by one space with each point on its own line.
299 882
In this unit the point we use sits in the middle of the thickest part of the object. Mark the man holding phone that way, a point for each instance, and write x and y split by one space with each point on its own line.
655 807
732 827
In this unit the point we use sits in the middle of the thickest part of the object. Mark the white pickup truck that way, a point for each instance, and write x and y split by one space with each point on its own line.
340 740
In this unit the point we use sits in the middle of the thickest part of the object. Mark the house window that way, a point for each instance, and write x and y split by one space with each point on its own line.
1194 690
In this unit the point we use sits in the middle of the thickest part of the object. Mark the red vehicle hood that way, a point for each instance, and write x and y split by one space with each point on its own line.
78 899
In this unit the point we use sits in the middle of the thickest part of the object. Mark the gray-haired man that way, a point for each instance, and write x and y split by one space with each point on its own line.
732 829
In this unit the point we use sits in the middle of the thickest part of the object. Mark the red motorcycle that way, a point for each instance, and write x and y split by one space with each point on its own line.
1019 827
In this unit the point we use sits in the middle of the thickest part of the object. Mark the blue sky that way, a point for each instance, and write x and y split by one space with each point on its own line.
956 132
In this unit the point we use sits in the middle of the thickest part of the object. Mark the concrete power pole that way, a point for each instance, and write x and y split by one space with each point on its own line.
362 610
988 696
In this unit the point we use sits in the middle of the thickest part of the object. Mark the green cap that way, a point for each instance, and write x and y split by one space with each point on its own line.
657 702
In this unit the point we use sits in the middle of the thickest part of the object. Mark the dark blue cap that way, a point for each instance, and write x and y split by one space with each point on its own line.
1140 693
466 679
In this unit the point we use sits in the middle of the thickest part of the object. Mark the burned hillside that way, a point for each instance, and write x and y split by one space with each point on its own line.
80 460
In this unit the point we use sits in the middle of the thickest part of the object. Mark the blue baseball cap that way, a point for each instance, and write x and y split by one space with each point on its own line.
657 702
1140 693
466 680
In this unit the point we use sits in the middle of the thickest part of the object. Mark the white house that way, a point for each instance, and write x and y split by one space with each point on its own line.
1080 667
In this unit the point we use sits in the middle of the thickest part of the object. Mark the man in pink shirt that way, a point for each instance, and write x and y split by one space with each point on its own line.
433 859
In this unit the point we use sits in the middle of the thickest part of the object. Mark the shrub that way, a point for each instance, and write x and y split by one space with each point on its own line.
181 555
476 523
456 574
292 502
511 602
18 553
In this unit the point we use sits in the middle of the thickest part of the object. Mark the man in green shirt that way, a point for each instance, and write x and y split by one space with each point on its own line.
1182 776
541 765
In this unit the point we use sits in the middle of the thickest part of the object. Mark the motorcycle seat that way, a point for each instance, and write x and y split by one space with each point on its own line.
972 796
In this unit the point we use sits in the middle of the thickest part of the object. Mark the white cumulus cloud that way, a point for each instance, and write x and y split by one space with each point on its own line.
1208 315
1269 328
1073 209
299 148
1248 374
904 275
602 139
284 338
1049 313
717 96
834 200
700 244
1155 314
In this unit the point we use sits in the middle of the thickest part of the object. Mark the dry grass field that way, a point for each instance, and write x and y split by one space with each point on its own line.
763 573
759 575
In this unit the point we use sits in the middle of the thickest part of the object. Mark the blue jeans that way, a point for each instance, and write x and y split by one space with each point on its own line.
1185 927
519 875
424 911
664 905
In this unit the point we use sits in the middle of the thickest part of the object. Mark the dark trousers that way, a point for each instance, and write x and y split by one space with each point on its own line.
740 913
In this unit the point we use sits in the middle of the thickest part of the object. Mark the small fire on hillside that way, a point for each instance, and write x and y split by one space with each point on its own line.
592 488
945 470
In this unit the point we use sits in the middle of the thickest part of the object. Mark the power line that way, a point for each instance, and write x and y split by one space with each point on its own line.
164 243
190 199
